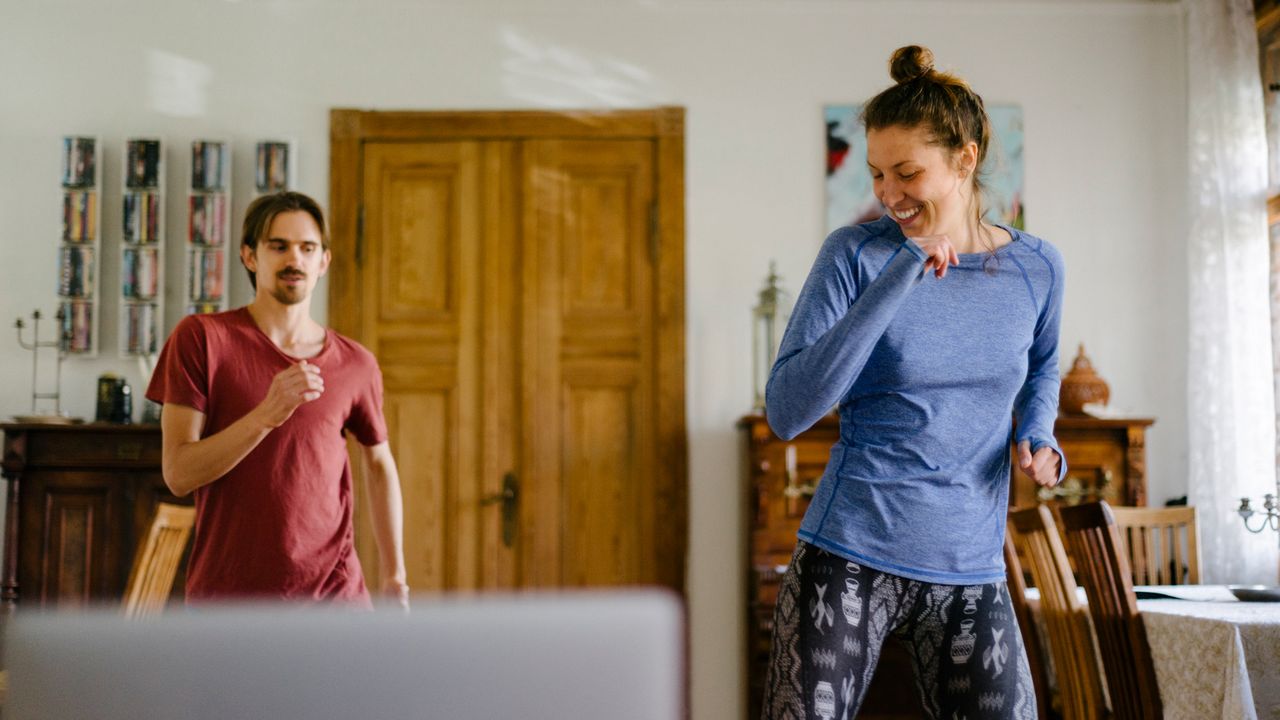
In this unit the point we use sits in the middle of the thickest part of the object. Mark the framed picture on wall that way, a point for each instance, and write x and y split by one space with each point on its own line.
850 199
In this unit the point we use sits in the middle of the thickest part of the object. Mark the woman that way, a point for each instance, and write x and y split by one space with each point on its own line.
931 329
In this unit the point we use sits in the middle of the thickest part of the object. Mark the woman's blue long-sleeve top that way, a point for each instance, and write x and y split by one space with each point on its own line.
929 375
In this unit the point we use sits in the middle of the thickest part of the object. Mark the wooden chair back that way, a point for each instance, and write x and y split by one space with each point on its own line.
1093 539
1161 544
1066 617
1026 623
156 563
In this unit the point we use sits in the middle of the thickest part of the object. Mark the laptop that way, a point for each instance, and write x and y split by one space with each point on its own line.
533 657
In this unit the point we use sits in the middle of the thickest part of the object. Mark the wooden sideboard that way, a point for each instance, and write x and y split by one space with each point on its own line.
1105 459
79 498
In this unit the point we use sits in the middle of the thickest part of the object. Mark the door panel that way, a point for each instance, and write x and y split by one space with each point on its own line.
71 520
599 491
75 513
420 429
597 269
417 266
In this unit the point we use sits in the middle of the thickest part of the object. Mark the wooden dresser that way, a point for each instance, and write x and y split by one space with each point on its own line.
79 498
1106 458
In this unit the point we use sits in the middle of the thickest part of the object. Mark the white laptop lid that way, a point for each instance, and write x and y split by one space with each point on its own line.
532 657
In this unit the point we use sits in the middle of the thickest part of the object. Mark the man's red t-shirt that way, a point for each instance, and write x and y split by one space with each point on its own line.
279 524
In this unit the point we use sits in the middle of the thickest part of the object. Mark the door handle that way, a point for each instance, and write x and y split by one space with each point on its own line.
510 499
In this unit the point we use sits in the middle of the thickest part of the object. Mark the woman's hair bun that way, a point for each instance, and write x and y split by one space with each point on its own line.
909 63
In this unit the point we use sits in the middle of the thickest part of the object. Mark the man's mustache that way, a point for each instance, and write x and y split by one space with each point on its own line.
288 274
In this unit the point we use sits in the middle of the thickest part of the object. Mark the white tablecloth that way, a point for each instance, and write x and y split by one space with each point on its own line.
1215 657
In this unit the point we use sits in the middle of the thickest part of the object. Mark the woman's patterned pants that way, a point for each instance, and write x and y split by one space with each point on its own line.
833 616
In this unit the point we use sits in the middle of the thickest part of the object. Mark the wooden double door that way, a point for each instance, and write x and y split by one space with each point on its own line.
519 277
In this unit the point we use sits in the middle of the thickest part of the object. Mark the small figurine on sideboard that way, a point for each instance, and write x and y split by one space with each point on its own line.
1082 386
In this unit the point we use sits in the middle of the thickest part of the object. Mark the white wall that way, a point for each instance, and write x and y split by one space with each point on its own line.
1101 85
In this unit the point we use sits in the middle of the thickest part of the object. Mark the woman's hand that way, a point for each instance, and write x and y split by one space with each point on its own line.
939 252
1043 466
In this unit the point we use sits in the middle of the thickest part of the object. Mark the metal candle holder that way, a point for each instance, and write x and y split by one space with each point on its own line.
61 345
1270 514
769 317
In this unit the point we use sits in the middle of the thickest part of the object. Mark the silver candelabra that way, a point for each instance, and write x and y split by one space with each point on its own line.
35 346
1269 515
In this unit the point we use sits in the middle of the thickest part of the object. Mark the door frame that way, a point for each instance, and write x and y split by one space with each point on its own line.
349 129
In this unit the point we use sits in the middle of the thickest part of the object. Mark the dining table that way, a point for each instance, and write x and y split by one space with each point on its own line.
1215 656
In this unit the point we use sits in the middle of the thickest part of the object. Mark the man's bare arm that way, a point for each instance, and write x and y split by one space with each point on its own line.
189 462
387 508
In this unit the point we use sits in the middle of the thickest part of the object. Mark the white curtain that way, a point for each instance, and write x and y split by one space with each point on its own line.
1231 399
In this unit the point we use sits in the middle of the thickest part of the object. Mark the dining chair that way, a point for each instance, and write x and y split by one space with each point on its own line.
156 563
1026 623
1093 539
1160 543
1066 617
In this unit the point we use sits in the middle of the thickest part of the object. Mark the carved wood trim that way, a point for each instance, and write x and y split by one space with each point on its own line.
15 445
1135 459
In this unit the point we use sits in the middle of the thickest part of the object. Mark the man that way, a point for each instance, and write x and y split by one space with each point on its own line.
257 404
